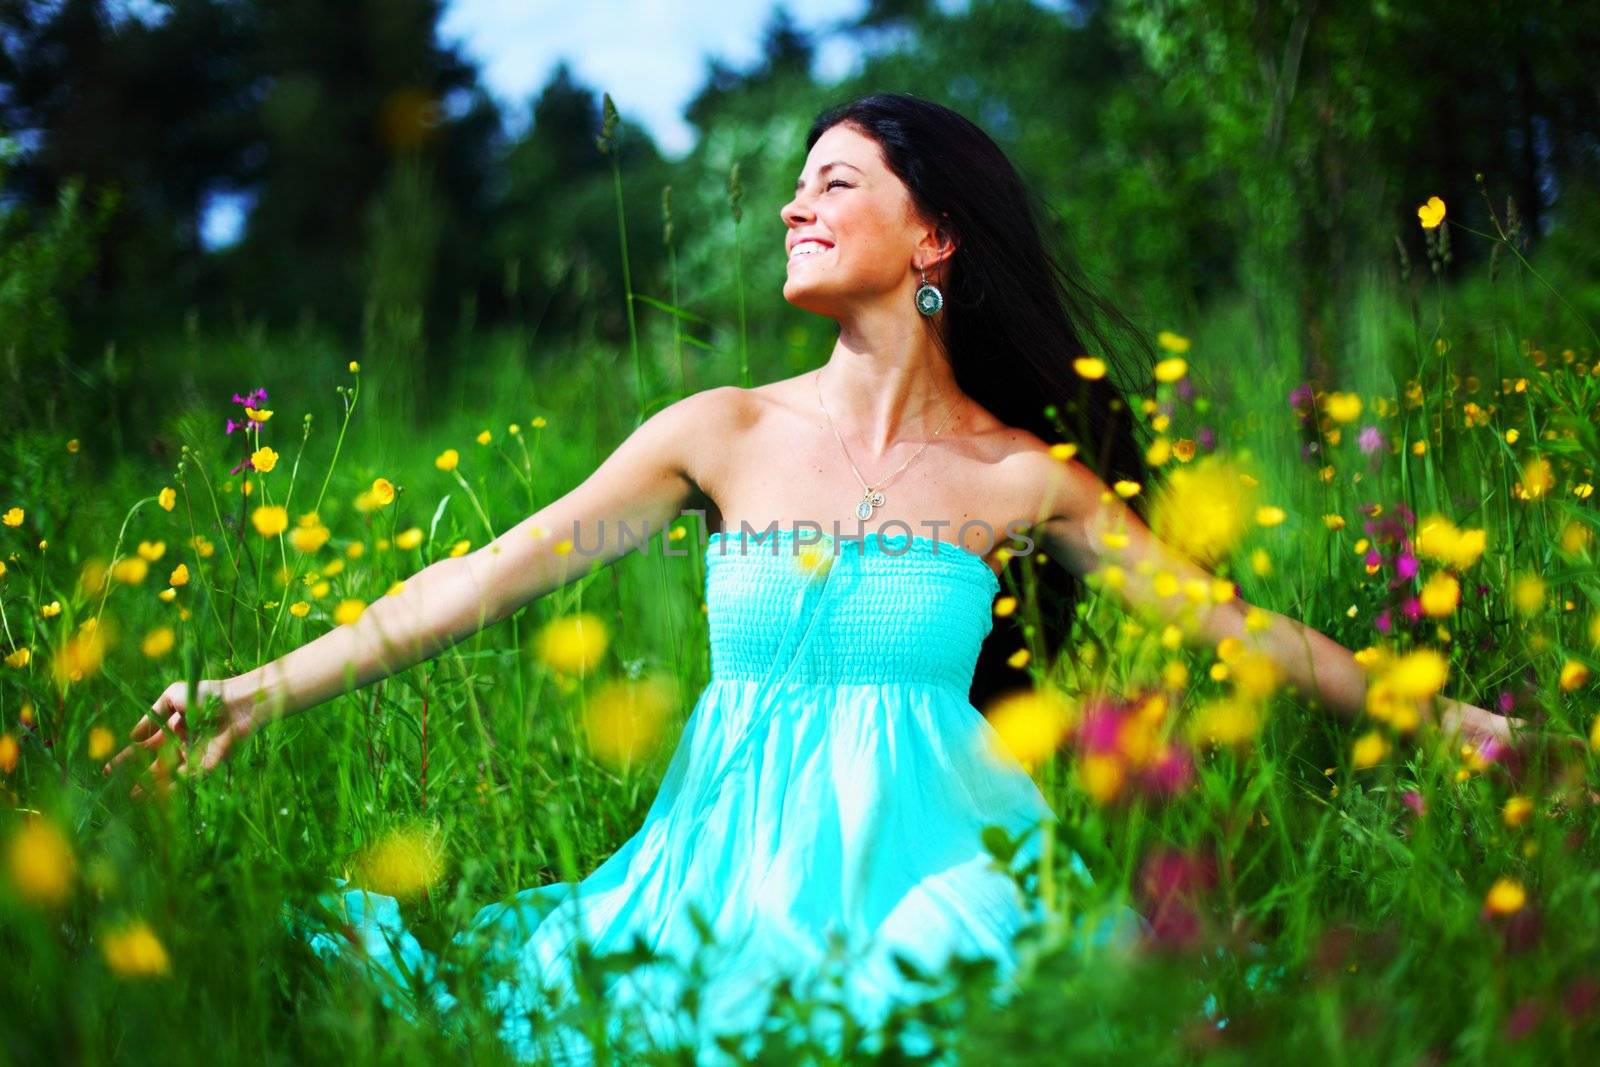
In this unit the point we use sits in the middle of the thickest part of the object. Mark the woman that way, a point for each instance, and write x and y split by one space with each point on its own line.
833 777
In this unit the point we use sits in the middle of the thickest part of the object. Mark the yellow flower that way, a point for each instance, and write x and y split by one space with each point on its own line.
1574 675
1505 897
101 742
1201 510
167 498
1527 593
572 645
307 539
1159 452
1226 721
354 368
394 588
1537 478
1126 489
1019 658
41 862
257 414
320 590
1440 594
485 437
447 460
1431 213
348 611
133 951
1511 436
1518 810
1333 522
1261 562
408 539
72 445
1102 776
270 520
1419 674
1438 539
1028 724
180 575
152 550
2 570
9 752
1269 515
1369 750
537 422
299 609
625 719
1583 490
80 657
167 595
130 571
1342 407
263 459
19 658
158 642
383 492
1089 367
1256 675
460 548
402 863
1172 342
1171 369
12 517
51 610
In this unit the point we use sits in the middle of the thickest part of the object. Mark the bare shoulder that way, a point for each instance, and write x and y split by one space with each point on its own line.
1053 485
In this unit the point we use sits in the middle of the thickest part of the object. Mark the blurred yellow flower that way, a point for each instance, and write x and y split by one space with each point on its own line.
1019 658
1517 811
1101 775
485 437
299 609
1369 750
625 719
1226 721
1419 674
383 492
270 520
1028 724
447 460
101 742
1333 522
257 414
19 658
41 862
167 498
1537 479
1438 539
152 550
13 517
307 539
1201 510
1505 897
9 753
1089 367
1342 407
80 657
1527 593
348 611
1440 594
460 548
263 459
1172 342
1126 489
573 644
1512 435
1431 213
158 642
180 575
1574 675
1583 490
1270 515
354 367
537 422
51 610
402 863
409 538
1171 369
1063 450
1256 675
1005 605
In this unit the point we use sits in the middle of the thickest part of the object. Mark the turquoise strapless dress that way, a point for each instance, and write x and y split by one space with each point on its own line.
825 802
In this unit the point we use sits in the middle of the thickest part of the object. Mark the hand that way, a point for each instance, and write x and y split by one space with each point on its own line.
1484 730
170 717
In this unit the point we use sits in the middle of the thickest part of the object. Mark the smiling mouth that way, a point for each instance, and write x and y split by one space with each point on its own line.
808 248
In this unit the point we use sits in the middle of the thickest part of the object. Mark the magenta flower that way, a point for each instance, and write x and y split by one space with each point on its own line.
1370 440
1382 622
1405 567
1413 800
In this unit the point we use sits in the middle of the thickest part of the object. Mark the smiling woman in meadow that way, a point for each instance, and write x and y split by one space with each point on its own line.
835 777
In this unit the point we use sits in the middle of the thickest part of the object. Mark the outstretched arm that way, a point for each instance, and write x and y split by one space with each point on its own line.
644 484
1090 530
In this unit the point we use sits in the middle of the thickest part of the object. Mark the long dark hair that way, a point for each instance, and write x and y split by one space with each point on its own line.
1015 317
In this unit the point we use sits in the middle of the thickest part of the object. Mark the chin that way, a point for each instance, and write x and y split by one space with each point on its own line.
807 298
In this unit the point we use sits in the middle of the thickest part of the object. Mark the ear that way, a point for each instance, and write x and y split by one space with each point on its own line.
937 245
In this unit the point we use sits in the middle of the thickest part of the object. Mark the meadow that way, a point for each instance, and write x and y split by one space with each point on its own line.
1361 892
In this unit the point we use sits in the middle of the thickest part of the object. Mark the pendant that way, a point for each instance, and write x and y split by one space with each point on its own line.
871 499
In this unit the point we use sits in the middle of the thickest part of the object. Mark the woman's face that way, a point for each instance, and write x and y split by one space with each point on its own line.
852 234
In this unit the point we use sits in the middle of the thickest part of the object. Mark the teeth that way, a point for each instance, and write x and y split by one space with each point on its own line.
805 248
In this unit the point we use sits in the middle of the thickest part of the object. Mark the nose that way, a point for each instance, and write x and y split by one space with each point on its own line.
794 213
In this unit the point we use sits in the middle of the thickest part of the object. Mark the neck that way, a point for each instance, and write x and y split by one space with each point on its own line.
887 381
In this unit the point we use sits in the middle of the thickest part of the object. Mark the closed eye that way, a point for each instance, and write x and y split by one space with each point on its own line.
836 181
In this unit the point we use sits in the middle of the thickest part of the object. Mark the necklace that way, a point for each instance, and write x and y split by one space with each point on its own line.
872 495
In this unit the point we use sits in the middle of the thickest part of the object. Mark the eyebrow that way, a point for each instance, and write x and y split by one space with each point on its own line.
798 182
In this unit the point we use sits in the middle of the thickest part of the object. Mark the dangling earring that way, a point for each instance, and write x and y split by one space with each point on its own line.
929 299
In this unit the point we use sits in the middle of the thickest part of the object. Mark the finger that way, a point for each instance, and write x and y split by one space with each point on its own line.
216 751
179 725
